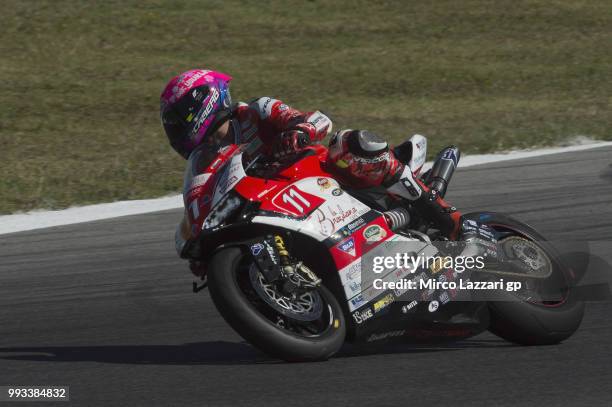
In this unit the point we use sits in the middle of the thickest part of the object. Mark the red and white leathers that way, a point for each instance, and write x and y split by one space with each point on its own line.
268 125
362 159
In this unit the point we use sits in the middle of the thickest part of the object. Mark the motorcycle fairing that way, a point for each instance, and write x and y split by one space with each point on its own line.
419 153
207 179
314 206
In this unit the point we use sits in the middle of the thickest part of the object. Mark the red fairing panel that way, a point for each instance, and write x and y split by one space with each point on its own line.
203 169
280 195
360 242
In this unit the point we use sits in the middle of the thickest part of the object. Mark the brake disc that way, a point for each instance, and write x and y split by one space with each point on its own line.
301 305
524 255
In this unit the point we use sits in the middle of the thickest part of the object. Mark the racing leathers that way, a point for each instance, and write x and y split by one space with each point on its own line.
362 159
270 127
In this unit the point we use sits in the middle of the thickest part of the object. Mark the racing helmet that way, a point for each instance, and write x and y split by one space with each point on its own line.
192 107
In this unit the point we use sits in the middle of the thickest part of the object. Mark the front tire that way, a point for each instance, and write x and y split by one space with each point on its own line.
252 319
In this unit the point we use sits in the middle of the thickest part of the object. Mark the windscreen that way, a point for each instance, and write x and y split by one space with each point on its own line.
198 161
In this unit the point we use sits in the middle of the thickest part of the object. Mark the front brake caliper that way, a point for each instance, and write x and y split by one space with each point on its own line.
266 258
298 273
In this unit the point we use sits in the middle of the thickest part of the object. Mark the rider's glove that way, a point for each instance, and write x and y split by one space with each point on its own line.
291 142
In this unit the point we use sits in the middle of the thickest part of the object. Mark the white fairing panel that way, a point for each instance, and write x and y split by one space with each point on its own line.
338 210
229 177
419 153
358 284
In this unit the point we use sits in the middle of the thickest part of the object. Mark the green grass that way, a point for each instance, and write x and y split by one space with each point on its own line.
80 80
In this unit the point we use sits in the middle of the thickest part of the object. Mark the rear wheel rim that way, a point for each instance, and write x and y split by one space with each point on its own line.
557 278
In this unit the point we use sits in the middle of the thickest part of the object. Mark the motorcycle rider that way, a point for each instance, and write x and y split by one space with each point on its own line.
196 108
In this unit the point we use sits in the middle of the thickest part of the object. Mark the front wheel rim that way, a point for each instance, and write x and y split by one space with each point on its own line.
261 299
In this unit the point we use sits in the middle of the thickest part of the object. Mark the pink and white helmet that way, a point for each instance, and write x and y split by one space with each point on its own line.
192 106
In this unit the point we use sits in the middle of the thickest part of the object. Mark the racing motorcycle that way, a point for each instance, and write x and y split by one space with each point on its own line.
285 246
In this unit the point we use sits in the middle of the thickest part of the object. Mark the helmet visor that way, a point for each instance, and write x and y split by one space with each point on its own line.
188 106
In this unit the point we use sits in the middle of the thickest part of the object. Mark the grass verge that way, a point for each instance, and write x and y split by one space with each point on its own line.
80 80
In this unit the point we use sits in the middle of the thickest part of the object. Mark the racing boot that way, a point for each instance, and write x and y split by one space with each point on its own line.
427 201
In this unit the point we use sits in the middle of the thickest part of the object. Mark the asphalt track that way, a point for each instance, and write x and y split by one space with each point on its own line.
106 308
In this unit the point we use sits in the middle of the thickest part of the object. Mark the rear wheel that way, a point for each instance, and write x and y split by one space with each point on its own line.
301 326
544 312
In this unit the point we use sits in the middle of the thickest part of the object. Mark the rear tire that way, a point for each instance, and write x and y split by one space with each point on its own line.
253 326
528 323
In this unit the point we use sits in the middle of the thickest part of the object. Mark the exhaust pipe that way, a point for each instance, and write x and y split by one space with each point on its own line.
443 169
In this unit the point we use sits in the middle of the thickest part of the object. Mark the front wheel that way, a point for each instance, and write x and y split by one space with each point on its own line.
307 326
529 320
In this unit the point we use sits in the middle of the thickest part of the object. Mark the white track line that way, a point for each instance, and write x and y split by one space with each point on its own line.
44 219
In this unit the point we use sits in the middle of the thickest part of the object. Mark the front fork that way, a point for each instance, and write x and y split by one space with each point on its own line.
297 274
275 263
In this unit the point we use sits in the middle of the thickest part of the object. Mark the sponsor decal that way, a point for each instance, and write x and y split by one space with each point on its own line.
199 180
326 226
227 185
357 301
335 217
450 155
266 103
356 224
256 249
352 271
444 298
197 95
436 266
348 246
374 233
414 281
265 191
383 303
342 215
355 287
402 290
324 183
196 75
316 117
271 252
406 308
337 192
295 201
385 335
433 306
207 110
362 316
373 160
264 106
